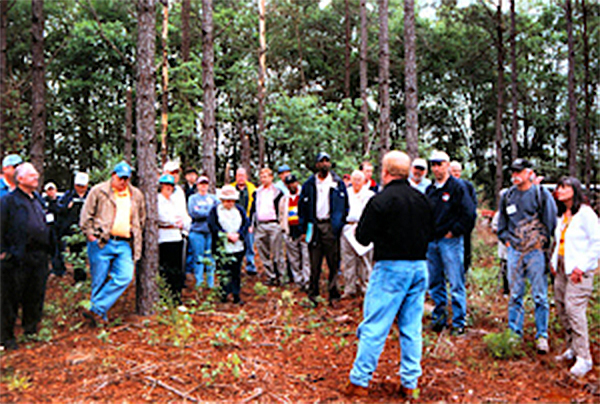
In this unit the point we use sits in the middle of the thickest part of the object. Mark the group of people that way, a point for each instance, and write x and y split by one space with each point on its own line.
392 243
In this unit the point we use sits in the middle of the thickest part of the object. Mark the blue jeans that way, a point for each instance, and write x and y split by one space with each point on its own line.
531 265
200 244
396 290
250 266
445 261
115 260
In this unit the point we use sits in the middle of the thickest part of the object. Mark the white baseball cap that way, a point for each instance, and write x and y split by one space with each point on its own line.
171 166
420 163
439 156
82 179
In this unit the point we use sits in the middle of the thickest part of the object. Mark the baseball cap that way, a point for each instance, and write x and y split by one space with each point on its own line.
203 179
171 166
166 179
123 170
283 168
419 163
50 185
321 156
438 156
290 179
11 160
520 164
81 179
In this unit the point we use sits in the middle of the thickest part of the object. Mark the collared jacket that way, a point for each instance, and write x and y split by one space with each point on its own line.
68 216
284 206
453 209
216 228
276 202
99 211
338 203
250 188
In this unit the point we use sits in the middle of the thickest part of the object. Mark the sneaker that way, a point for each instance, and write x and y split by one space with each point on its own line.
542 345
581 367
567 355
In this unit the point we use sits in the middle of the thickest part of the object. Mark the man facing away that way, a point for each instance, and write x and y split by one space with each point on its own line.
112 220
526 221
399 222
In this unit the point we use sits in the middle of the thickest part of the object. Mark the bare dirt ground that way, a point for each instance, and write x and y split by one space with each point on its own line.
275 348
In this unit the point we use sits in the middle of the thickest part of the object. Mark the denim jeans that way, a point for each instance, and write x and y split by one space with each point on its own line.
115 260
531 265
250 266
200 245
396 290
445 262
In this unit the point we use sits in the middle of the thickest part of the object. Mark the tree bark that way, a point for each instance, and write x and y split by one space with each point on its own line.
500 104
38 88
185 31
164 116
384 79
146 288
245 146
514 147
410 71
364 46
588 98
208 85
572 148
262 69
128 149
3 75
347 49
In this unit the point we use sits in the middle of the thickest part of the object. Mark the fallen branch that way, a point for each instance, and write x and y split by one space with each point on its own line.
257 393
171 389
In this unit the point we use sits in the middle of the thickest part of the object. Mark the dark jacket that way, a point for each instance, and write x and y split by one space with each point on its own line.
216 228
453 209
338 204
23 225
69 216
399 221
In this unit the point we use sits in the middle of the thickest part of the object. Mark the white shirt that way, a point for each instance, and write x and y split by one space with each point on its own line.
358 201
323 188
231 221
169 212
265 204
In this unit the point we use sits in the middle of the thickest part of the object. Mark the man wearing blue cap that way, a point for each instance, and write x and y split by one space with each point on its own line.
112 219
282 172
9 165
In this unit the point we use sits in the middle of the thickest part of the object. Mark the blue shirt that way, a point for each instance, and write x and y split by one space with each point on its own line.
199 206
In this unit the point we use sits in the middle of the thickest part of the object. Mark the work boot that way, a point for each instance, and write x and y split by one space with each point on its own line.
354 390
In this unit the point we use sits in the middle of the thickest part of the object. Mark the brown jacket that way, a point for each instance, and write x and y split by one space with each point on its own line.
98 215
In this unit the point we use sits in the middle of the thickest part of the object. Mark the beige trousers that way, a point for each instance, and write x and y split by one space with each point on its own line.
571 304
297 255
268 239
355 268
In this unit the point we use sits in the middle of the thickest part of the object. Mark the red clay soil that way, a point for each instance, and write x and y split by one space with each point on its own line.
272 349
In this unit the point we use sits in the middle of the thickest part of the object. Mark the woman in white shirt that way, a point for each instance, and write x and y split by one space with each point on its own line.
173 220
574 261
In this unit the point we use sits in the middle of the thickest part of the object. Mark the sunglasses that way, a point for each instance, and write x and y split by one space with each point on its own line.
436 163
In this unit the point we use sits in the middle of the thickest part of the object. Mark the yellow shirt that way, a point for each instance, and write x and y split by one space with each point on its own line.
561 244
122 224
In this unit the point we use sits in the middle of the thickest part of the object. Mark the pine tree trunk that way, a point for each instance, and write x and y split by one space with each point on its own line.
588 98
185 31
245 146
384 79
146 288
208 85
571 89
500 97
514 147
410 71
262 70
347 49
128 149
164 116
38 88
364 46
3 75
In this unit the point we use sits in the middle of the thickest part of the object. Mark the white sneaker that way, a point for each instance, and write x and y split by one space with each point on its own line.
581 367
542 345
567 355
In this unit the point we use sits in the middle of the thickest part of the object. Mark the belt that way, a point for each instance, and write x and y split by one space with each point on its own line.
266 221
320 221
119 238
168 226
351 222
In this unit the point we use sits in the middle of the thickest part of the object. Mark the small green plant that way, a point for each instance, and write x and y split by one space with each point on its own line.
260 289
504 345
341 344
15 381
104 336
176 318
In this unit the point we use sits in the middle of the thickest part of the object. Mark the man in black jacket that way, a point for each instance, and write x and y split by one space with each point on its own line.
456 172
24 246
453 213
399 222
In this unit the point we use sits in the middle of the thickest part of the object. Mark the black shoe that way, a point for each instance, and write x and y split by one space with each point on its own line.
238 300
93 319
10 345
252 273
272 282
437 327
458 331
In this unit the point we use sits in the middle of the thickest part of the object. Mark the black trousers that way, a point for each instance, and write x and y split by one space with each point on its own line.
467 253
324 244
230 278
171 267
23 284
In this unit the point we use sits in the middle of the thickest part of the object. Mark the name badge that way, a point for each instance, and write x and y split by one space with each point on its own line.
49 218
511 209
445 197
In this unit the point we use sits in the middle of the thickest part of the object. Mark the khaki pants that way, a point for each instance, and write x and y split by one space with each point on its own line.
355 268
298 258
268 241
571 304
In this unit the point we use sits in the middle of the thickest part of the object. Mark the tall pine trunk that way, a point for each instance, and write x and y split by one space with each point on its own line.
411 85
146 288
3 75
262 71
572 148
164 114
384 79
185 31
128 149
38 88
364 46
347 49
588 98
208 85
500 98
514 147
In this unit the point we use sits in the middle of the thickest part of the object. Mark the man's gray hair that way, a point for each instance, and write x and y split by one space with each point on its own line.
23 169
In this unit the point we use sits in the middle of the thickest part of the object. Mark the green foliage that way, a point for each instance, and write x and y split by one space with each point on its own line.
16 381
178 320
504 345
260 289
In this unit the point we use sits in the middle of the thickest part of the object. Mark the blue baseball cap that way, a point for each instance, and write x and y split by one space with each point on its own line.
123 170
11 160
166 179
283 168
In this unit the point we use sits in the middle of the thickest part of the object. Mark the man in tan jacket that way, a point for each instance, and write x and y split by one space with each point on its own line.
112 219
